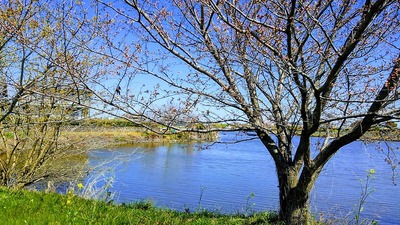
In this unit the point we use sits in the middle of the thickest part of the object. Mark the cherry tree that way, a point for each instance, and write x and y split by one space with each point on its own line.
281 68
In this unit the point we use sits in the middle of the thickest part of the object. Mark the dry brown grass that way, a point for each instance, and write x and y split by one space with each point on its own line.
99 137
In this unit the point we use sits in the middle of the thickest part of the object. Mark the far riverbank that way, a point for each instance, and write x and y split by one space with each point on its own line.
107 137
88 137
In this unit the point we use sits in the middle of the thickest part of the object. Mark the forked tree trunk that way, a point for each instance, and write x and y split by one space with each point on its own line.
294 196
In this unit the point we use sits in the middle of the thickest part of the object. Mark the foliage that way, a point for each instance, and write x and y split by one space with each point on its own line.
391 125
19 207
31 152
37 75
99 137
101 122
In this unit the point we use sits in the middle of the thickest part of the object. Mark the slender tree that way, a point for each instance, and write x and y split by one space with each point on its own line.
40 62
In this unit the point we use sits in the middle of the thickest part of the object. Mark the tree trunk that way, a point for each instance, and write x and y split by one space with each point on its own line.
293 197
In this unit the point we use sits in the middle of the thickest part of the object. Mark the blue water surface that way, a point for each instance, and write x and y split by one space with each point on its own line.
239 176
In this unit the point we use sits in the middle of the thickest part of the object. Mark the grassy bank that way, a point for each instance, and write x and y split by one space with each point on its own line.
26 207
105 137
95 137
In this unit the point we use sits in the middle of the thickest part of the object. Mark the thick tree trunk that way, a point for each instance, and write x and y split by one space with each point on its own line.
294 208
294 198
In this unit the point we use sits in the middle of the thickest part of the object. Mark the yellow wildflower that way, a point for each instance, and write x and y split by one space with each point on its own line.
371 171
80 186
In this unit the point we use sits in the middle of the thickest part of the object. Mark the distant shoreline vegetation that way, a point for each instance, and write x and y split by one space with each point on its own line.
98 132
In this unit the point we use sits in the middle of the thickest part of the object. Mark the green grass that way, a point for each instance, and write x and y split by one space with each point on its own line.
27 207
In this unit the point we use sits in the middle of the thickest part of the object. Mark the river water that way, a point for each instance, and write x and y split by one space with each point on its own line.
240 177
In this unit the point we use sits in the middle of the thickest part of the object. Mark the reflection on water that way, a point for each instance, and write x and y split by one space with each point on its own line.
223 176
